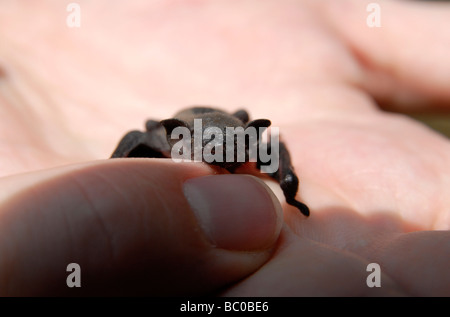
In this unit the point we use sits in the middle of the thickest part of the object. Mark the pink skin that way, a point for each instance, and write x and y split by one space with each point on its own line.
377 183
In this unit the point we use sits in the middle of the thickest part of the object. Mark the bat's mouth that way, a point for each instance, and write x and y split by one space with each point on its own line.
226 165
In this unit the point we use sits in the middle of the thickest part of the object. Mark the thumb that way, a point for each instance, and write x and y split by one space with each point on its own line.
134 226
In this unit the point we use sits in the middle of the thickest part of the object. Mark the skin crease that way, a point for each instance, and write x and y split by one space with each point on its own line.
377 183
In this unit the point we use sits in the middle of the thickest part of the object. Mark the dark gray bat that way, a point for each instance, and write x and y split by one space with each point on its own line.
157 141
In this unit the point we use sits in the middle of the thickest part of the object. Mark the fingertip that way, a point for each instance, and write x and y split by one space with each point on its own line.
236 212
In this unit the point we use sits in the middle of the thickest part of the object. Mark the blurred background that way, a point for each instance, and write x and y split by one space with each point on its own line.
438 122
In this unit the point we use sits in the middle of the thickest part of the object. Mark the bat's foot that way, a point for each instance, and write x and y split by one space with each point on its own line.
300 206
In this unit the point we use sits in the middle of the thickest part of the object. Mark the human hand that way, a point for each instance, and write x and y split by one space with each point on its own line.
371 178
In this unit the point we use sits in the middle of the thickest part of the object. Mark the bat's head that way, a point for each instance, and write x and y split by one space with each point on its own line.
214 137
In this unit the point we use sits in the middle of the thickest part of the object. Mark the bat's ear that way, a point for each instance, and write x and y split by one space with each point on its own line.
242 115
171 124
259 123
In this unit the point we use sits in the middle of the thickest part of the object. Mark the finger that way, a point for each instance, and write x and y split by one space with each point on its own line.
303 267
135 226
404 62
419 262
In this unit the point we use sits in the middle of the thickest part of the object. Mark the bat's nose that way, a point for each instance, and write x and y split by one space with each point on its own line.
214 152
